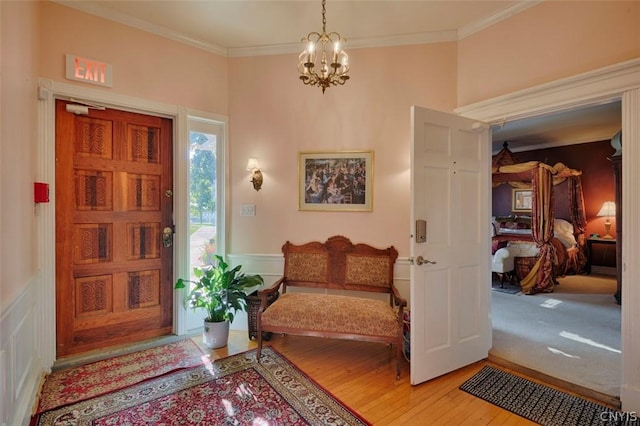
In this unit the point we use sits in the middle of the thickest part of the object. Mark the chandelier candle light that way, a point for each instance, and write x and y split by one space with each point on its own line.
314 65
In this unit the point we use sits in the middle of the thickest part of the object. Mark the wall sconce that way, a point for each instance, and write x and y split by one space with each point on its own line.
256 174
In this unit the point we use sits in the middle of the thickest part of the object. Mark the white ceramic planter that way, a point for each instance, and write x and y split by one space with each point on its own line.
215 334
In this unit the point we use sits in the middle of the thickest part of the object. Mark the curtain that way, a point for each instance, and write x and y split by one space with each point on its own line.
578 219
540 278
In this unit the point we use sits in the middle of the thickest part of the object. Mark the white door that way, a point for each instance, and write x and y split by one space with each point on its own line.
450 289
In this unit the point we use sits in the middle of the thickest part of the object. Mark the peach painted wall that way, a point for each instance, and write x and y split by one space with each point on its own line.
549 41
18 155
273 117
144 65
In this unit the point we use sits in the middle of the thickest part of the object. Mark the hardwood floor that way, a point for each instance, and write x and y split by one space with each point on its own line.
362 375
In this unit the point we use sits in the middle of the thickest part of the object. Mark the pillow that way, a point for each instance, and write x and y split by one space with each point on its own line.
517 231
563 231
561 226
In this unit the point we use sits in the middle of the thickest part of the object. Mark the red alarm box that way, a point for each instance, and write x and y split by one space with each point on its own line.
40 192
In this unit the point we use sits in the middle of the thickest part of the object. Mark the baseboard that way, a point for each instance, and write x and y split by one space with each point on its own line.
562 385
603 270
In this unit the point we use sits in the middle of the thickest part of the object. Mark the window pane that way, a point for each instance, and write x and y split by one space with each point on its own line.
202 198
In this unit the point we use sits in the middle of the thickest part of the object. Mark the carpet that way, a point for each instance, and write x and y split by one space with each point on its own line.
90 380
235 390
566 334
540 403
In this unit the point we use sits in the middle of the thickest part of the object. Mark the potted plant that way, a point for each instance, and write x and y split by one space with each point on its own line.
221 291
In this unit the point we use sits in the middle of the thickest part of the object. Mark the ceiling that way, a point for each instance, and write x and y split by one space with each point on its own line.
250 27
580 125
264 27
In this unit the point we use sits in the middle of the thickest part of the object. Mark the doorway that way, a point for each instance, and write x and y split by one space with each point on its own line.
583 349
114 229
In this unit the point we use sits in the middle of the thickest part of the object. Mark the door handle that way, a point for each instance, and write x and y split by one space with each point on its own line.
167 237
421 260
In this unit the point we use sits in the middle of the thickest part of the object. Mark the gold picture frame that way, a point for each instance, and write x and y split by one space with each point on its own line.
335 181
521 200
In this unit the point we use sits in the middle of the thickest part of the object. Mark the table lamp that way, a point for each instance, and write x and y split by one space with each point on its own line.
608 209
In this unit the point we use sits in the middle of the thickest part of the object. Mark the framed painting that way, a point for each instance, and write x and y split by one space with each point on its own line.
335 181
521 200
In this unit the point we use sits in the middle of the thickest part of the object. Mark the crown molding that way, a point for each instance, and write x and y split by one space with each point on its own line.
478 26
103 12
351 43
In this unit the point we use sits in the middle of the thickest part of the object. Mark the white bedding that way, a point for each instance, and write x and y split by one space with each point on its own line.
562 230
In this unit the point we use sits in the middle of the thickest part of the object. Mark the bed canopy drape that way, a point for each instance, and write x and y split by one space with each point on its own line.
541 178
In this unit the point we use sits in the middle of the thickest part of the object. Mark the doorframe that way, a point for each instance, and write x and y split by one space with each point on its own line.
50 90
612 83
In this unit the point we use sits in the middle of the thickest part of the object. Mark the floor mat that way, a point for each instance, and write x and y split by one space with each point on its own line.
540 403
507 287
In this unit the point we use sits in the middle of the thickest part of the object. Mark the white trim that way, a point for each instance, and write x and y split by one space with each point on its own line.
630 389
612 83
204 122
19 355
475 27
591 88
352 43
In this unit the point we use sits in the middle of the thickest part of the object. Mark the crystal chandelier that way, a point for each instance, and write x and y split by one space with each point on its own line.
314 65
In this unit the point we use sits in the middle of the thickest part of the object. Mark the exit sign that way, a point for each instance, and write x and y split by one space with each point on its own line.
89 71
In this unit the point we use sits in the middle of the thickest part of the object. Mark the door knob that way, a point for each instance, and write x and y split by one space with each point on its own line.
420 260
167 237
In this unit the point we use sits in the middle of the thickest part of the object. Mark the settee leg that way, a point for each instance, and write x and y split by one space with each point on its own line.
398 359
259 347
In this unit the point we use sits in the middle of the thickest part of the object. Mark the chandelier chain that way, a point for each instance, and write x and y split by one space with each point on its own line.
324 19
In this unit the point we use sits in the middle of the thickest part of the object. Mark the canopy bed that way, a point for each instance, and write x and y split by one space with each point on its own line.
548 247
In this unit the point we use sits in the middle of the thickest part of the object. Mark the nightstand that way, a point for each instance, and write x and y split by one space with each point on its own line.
590 242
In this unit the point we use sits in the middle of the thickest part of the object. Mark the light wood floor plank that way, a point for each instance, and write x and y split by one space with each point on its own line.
362 375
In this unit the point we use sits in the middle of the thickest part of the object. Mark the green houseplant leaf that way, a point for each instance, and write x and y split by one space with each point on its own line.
220 290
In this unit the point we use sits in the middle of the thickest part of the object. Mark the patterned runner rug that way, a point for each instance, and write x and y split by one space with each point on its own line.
231 391
87 381
540 403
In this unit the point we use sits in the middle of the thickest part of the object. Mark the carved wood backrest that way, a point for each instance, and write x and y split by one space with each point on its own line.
339 264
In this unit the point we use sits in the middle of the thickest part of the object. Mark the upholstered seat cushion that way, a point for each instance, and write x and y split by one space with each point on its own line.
502 261
332 313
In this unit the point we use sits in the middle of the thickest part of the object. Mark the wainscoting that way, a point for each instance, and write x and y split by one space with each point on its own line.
20 361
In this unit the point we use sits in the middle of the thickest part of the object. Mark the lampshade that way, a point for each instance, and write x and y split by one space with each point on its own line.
252 164
607 209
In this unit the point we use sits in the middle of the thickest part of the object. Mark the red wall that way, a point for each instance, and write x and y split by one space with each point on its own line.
597 181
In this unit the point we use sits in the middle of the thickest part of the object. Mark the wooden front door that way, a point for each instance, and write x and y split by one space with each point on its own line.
114 275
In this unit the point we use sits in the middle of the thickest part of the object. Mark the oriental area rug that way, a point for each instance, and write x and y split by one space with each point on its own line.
87 381
540 403
235 390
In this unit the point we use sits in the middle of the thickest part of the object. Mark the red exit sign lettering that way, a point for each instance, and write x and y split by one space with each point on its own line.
89 71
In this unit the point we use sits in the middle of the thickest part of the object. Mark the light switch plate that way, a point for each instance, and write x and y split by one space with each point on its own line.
247 209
